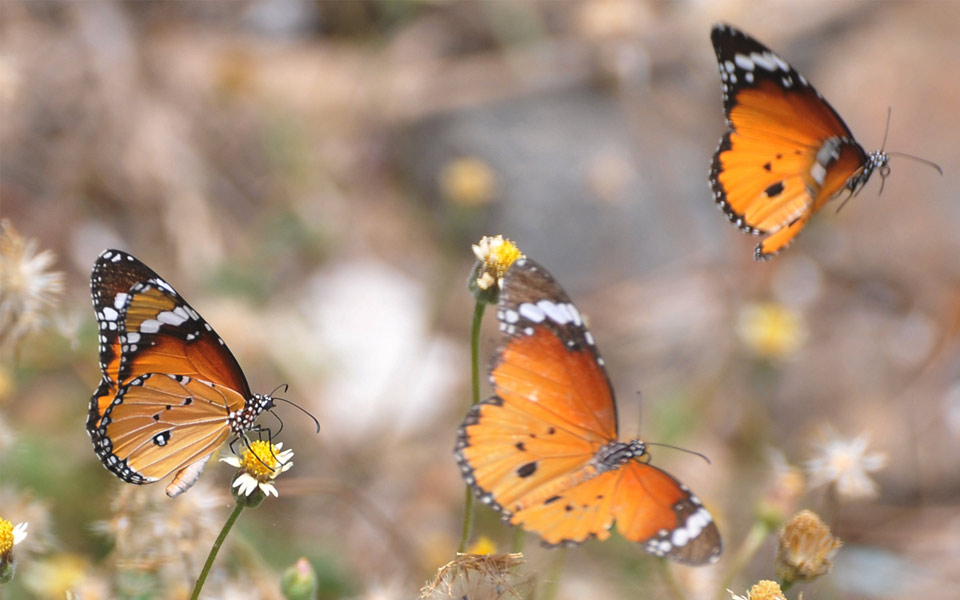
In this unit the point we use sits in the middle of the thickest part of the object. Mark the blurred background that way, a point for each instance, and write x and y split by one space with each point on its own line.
310 176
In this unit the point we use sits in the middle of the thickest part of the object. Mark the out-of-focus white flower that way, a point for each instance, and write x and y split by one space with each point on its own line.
845 463
27 288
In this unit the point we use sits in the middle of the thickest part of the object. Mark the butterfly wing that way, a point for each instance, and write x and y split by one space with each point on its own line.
553 406
787 151
147 328
533 451
649 506
657 511
160 423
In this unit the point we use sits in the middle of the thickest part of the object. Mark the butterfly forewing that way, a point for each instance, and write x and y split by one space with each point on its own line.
534 451
787 152
161 333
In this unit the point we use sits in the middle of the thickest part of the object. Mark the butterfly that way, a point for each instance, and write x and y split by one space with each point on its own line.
171 392
544 450
787 151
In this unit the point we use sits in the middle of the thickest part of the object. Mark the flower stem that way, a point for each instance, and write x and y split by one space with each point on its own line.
475 349
673 588
556 570
216 549
518 540
760 529
475 387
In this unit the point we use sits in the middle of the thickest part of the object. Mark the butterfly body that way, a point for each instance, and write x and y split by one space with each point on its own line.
544 450
170 392
786 152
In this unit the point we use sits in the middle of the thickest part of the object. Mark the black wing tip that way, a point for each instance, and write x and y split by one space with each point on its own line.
760 256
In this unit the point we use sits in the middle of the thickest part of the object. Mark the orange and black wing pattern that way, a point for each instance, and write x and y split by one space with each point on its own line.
170 391
786 152
543 451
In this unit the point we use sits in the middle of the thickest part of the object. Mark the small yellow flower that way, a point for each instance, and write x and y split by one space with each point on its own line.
495 254
483 545
805 547
260 464
10 536
468 181
845 463
771 330
762 590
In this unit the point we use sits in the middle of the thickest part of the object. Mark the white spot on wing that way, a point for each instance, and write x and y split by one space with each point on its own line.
531 312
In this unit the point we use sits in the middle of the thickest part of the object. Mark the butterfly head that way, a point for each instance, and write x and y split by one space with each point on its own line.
243 419
878 161
615 454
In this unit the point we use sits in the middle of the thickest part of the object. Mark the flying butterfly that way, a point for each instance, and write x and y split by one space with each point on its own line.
787 152
171 392
544 450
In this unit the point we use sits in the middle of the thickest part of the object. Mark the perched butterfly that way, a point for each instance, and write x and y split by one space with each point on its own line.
544 450
171 392
787 151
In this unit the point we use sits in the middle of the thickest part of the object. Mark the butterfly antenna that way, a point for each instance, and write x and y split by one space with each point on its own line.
886 130
688 451
923 161
300 408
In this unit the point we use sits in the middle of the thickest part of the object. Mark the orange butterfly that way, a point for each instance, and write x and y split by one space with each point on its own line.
787 151
544 450
171 392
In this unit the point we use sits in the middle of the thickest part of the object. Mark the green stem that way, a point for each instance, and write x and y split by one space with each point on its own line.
467 521
758 532
475 349
216 549
553 581
518 540
475 386
673 588
785 585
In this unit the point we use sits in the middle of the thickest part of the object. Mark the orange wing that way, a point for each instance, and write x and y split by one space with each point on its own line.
159 424
787 153
543 451
156 353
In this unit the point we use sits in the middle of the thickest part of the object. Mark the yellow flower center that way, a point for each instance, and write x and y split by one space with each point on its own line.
766 590
260 460
497 254
6 536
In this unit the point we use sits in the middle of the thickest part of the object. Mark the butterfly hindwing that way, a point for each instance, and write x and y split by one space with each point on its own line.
787 151
543 451
161 423
652 508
